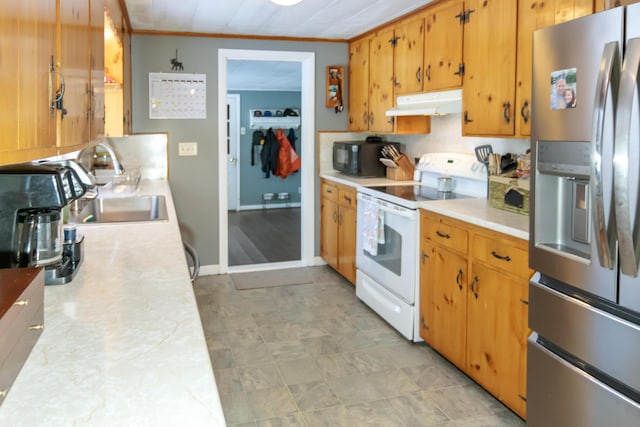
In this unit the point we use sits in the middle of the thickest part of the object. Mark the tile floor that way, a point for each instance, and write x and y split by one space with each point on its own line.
314 355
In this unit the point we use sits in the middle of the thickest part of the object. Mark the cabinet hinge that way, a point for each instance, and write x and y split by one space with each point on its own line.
394 41
460 71
465 16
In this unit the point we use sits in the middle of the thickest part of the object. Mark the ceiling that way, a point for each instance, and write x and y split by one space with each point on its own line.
325 19
320 19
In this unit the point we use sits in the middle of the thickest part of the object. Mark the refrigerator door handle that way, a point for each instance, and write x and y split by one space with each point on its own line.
628 227
608 81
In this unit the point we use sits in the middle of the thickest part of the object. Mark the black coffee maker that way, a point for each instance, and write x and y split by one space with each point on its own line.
31 201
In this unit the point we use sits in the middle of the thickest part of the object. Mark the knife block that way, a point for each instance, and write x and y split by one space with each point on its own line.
404 171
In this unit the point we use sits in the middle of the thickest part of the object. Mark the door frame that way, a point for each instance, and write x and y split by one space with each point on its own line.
307 155
234 144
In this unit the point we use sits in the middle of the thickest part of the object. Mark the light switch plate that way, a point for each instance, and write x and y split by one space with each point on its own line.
187 149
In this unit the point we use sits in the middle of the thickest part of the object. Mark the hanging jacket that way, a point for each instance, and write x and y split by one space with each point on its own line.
257 141
291 136
269 154
288 159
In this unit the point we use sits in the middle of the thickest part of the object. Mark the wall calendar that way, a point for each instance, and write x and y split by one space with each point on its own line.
177 96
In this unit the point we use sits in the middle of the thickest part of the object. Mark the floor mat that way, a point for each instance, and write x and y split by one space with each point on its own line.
271 278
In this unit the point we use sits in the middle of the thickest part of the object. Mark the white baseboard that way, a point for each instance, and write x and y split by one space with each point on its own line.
209 270
269 206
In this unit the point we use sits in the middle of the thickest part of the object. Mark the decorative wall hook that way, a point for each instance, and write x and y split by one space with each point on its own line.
175 65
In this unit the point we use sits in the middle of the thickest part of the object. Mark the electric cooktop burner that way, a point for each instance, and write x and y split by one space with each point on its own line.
417 193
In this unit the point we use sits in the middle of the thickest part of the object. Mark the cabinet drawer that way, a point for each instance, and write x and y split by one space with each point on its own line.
502 253
330 191
347 196
440 231
14 360
18 313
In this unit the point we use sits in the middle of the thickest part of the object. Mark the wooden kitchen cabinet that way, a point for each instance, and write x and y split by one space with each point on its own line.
477 320
381 84
359 85
533 15
408 56
81 62
338 210
57 51
73 61
488 95
27 49
443 287
371 82
443 46
497 305
96 63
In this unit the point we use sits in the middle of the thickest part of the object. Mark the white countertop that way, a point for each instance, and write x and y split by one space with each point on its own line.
473 211
123 344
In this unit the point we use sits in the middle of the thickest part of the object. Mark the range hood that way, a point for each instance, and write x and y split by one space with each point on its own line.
428 104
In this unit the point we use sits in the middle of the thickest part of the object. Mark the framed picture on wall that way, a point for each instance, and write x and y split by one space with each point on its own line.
334 79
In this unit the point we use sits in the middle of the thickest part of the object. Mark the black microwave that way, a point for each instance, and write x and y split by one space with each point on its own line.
360 158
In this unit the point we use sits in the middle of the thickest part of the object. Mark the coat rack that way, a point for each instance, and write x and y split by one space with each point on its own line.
273 118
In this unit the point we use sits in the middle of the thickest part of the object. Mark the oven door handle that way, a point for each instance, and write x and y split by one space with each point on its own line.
396 210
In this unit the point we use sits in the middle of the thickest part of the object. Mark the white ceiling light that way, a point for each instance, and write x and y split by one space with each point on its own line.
286 2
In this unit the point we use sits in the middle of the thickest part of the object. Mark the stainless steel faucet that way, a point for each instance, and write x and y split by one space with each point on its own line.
118 169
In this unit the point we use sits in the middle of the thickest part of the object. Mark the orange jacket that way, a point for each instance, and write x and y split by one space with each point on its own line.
288 160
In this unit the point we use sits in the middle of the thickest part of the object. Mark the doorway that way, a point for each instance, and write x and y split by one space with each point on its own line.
305 150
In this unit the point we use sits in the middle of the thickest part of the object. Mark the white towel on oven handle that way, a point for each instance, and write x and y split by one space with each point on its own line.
372 227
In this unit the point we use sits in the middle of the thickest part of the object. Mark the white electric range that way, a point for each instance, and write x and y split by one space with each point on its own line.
388 235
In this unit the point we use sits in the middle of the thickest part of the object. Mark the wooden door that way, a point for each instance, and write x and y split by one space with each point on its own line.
381 95
488 94
409 56
74 62
533 15
97 94
446 280
27 47
496 319
443 46
359 85
329 231
347 243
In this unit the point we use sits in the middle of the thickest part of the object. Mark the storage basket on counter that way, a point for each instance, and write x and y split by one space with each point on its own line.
509 193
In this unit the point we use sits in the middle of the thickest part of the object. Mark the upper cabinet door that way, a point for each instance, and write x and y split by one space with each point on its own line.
27 48
74 65
408 56
96 21
359 85
533 15
488 95
381 95
443 46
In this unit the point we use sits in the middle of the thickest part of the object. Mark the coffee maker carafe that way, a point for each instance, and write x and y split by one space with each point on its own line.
31 200
38 237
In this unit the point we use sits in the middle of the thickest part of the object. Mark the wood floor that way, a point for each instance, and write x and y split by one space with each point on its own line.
263 236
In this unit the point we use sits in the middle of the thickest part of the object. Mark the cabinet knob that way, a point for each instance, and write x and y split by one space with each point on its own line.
459 279
22 302
38 327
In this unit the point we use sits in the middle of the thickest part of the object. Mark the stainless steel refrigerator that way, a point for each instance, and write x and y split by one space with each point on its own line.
584 300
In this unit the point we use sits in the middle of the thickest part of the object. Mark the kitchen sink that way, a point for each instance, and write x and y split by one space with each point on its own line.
120 209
